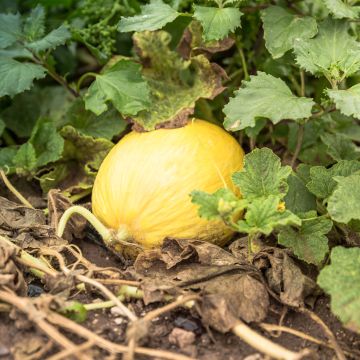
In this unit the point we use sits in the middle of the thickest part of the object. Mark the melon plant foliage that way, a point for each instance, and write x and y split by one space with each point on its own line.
282 77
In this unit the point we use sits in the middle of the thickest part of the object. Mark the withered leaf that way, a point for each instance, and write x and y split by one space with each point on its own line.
229 289
26 226
285 277
10 274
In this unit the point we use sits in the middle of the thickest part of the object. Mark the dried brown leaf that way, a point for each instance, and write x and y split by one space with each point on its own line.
10 274
25 226
285 277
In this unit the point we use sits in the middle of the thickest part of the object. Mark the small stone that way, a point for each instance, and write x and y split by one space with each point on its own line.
118 320
181 337
116 311
186 324
4 351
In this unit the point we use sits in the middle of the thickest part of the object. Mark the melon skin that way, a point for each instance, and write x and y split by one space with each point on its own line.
143 186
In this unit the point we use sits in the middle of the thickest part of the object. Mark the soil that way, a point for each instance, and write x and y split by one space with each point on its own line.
197 342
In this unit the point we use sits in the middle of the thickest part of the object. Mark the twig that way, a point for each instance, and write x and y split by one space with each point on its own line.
38 317
173 305
328 332
86 280
108 345
66 353
13 190
280 328
118 282
265 345
131 316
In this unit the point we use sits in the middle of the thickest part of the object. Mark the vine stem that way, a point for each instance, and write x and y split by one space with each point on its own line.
300 135
58 78
13 190
104 232
265 345
299 143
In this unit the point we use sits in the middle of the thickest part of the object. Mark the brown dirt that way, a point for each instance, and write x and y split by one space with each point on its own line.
208 344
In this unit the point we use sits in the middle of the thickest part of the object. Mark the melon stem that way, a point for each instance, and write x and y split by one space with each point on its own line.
103 231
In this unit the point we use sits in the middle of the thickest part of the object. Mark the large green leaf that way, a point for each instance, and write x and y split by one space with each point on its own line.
341 9
347 101
264 96
10 29
333 52
175 84
154 16
282 28
217 22
344 203
308 242
322 182
16 76
262 175
34 24
298 198
52 40
341 280
106 125
79 164
122 85
44 146
339 147
263 215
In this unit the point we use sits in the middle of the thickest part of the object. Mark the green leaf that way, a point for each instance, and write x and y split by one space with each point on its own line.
322 183
2 127
34 25
175 84
342 10
341 280
7 156
339 147
47 142
10 29
333 52
281 28
55 38
16 77
298 198
217 22
79 164
347 101
264 96
75 311
106 125
263 215
344 203
308 242
262 175
25 159
217 205
50 102
122 85
154 16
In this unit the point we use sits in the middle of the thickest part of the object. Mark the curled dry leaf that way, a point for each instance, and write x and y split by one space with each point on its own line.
192 43
229 289
285 277
57 204
10 275
27 227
